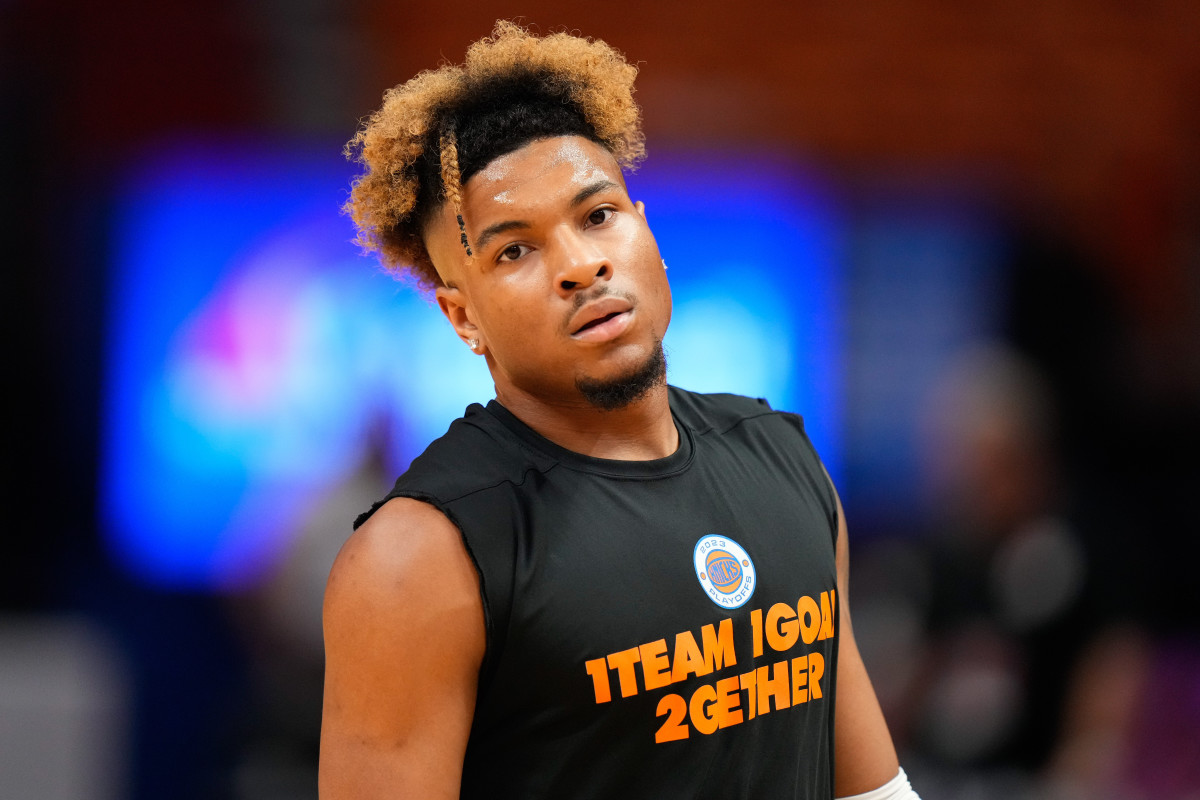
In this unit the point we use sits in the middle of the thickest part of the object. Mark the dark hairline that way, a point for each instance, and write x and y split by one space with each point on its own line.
430 213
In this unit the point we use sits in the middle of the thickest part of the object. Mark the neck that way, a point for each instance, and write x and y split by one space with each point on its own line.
642 431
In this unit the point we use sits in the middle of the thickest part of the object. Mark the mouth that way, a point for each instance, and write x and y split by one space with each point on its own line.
587 326
602 320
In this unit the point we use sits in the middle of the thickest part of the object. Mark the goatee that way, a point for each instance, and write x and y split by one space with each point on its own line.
619 392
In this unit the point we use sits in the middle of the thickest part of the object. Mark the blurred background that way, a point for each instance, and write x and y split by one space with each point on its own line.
962 239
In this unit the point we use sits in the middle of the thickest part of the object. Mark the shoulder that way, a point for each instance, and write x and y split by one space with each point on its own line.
776 438
474 450
477 453
400 525
719 413
716 410
386 560
378 592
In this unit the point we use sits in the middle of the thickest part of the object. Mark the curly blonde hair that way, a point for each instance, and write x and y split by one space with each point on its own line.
440 128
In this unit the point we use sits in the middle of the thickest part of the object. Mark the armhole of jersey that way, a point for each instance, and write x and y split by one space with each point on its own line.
833 501
489 656
830 491
366 515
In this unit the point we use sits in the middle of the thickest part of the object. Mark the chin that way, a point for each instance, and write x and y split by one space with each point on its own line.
628 386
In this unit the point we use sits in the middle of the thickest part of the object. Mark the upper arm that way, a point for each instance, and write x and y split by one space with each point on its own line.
865 757
404 641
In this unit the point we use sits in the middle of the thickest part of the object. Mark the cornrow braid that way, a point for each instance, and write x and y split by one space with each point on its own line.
452 181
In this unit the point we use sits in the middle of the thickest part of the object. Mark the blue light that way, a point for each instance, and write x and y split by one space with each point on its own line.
753 246
251 348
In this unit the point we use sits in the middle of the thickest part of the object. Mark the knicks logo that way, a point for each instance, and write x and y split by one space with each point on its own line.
724 570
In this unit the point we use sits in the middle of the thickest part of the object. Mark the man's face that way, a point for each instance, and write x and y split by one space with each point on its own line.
566 285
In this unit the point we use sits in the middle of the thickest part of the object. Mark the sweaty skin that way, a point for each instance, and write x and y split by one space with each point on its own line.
556 236
566 282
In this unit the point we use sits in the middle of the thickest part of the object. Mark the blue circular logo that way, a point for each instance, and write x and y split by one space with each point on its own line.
724 570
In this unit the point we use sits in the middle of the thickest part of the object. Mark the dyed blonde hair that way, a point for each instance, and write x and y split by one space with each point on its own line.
411 147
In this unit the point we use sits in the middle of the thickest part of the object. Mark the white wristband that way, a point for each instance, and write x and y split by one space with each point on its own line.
897 788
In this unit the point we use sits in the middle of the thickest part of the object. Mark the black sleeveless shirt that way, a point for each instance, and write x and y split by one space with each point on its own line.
657 629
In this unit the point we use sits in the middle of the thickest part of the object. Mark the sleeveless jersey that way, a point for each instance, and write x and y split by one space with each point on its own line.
657 629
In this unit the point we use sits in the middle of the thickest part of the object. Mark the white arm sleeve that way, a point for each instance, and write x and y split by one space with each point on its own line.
897 788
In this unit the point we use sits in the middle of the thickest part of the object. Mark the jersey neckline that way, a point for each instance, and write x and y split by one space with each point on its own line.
614 468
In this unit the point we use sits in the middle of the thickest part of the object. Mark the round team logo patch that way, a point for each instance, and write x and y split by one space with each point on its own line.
724 570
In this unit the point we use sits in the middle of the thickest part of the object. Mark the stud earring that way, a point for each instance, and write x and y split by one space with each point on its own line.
473 344
664 264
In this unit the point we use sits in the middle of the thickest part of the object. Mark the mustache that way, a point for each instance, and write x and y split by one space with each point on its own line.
583 298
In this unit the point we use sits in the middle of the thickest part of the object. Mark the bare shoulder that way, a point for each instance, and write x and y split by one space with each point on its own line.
404 640
406 568
403 541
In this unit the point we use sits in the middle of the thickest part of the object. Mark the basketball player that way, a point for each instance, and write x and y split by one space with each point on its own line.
596 585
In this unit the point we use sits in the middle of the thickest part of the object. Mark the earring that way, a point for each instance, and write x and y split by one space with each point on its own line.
473 344
664 264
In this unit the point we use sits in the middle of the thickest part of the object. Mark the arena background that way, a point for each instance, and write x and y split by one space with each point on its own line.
962 239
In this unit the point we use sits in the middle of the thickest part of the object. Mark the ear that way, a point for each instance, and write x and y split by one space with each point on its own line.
454 305
641 208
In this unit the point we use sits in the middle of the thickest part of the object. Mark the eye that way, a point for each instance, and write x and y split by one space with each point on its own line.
512 252
600 216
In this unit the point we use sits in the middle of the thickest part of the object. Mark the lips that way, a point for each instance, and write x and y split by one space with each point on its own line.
601 320
597 321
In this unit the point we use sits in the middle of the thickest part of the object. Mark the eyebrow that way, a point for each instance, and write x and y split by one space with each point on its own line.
494 230
591 189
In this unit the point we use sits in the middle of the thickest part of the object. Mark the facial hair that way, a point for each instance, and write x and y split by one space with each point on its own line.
616 393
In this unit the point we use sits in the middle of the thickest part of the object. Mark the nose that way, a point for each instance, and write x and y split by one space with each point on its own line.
580 264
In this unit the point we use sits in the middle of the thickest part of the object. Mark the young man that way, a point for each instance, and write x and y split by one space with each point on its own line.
597 585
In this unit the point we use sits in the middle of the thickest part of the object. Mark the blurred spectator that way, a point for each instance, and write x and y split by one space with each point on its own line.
1021 660
1007 609
987 614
